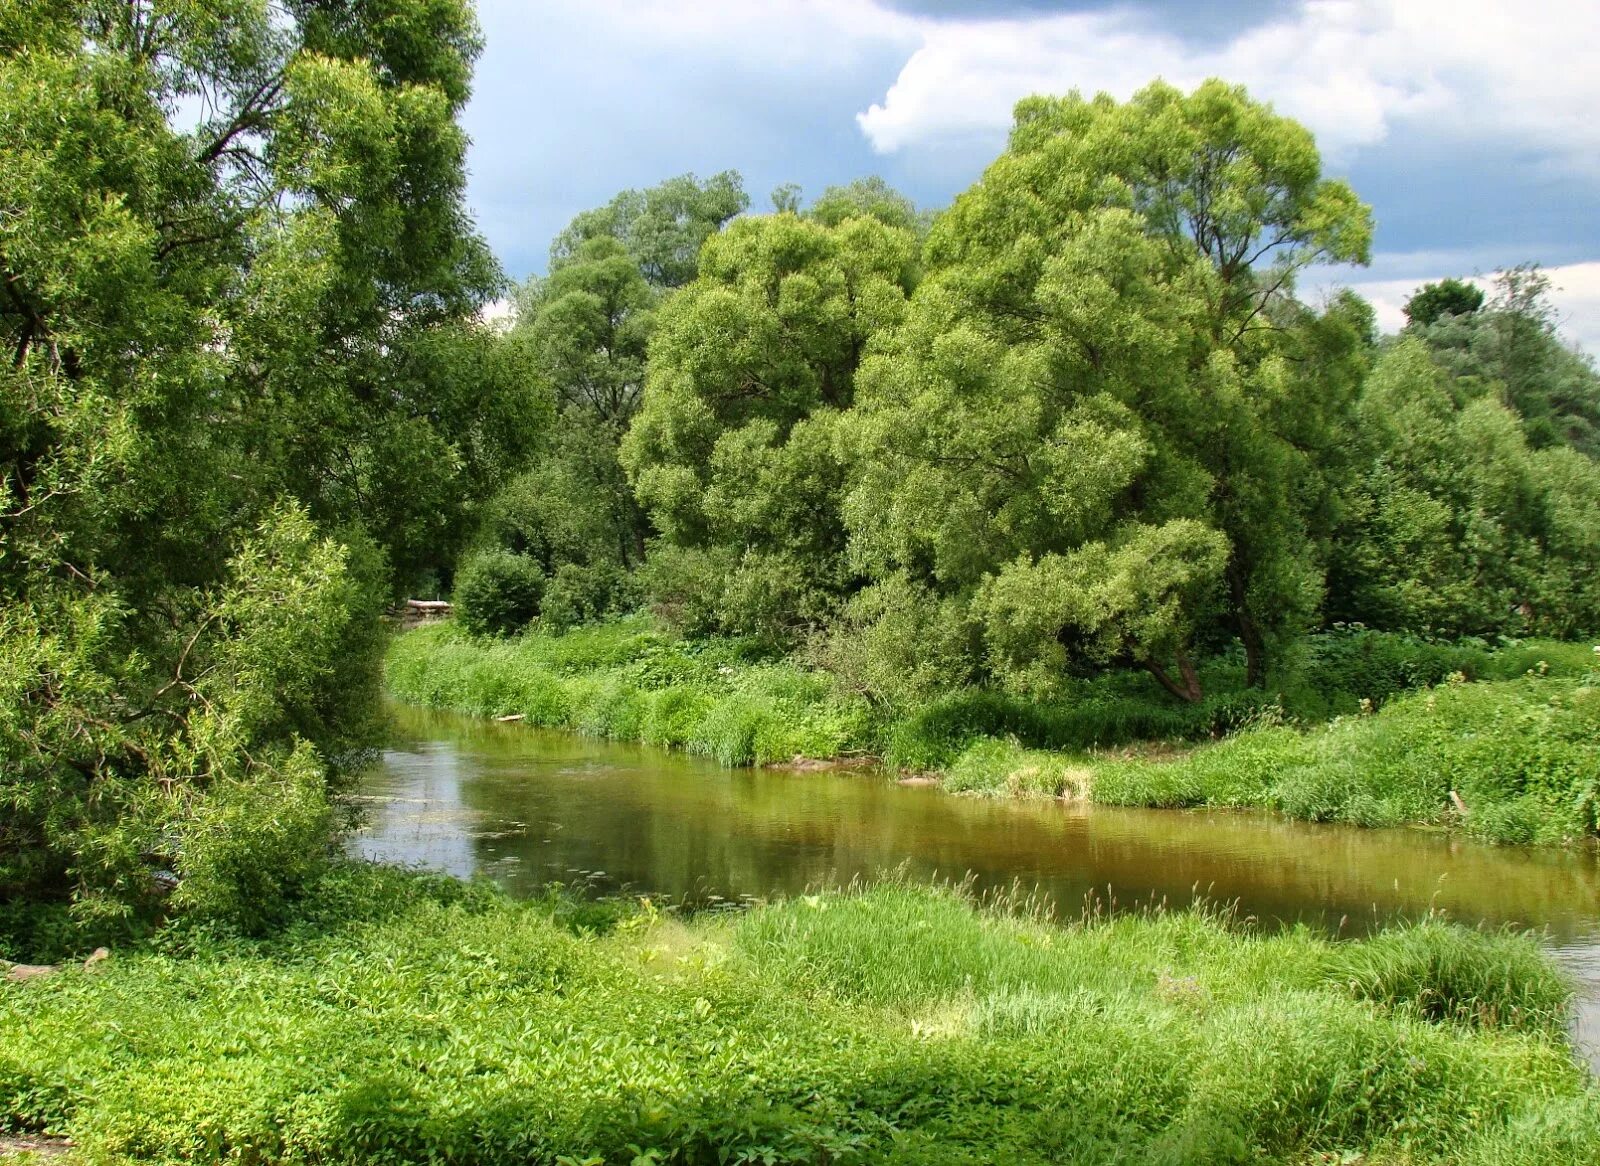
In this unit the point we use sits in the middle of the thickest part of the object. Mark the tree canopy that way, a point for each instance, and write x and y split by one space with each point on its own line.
1105 360
238 277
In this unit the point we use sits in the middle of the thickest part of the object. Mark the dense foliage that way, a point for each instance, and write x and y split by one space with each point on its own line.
407 1020
1065 467
1076 422
241 402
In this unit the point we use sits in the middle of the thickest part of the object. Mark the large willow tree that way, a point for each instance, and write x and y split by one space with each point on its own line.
236 268
1105 416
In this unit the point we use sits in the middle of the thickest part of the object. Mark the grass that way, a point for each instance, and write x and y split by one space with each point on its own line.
405 1018
1514 731
625 681
1522 755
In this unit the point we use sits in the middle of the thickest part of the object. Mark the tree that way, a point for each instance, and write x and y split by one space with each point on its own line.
1105 352
1513 346
866 197
663 227
222 346
731 453
1448 297
1455 523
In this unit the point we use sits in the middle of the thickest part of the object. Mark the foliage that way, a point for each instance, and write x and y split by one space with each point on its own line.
408 1019
732 453
498 593
241 403
275 681
1453 523
1510 350
1101 363
866 197
585 328
662 228
1448 297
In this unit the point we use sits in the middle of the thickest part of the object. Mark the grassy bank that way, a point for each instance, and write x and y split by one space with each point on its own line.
412 1019
626 681
1369 729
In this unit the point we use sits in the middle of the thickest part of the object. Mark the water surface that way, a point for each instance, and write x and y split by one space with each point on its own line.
526 807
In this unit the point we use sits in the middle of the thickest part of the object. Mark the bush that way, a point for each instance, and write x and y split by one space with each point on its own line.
497 593
579 595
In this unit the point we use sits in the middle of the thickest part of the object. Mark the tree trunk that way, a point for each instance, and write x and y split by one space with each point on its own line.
1189 690
1255 644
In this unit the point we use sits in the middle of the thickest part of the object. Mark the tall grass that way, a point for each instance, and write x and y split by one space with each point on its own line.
414 1020
625 681
1523 757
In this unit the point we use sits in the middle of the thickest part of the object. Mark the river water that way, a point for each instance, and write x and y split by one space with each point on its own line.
526 807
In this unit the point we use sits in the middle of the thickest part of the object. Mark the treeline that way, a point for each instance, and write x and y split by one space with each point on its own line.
1078 420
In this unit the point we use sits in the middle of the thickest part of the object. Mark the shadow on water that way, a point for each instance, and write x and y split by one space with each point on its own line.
526 807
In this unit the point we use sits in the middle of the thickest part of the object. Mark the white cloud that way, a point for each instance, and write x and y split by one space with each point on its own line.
1350 69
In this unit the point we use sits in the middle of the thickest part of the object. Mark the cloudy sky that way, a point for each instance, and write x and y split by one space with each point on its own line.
1471 126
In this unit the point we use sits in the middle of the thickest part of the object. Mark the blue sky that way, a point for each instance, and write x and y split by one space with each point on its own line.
1472 126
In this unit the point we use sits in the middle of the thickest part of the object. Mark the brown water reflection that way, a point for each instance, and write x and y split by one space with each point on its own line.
526 807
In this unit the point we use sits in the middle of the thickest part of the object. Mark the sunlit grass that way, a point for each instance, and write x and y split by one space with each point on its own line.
407 1019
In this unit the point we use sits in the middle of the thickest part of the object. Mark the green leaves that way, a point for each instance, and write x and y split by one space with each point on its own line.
1106 340
222 339
733 450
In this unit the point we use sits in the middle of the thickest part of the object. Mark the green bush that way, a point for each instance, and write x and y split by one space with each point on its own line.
498 593
583 594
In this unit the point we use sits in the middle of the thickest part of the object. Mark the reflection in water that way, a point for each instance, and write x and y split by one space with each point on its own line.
527 807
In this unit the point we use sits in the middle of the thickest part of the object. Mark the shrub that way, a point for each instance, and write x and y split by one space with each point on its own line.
498 593
582 594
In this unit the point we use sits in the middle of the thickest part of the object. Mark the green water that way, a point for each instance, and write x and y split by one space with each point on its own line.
526 807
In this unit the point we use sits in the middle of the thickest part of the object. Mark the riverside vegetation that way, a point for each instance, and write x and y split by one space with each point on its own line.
1514 732
995 490
403 1018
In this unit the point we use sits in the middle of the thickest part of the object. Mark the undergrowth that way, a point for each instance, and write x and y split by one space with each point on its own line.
412 1019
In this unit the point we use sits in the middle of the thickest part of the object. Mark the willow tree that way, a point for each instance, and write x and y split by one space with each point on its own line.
662 227
732 451
1104 361
235 260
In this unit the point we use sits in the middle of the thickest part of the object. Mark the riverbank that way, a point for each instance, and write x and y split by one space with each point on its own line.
1376 731
410 1018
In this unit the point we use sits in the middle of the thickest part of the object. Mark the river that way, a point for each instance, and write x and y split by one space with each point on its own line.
526 807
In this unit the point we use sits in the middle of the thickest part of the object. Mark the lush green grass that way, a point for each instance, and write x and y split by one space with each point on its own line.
1337 673
628 682
414 1019
1523 756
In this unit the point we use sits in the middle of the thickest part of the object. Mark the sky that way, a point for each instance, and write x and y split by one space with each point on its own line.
1472 127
